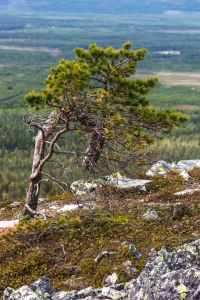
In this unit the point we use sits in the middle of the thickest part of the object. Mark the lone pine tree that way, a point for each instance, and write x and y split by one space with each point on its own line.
96 102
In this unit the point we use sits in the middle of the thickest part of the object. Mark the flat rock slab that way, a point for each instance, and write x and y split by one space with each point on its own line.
6 224
69 207
188 191
126 183
188 164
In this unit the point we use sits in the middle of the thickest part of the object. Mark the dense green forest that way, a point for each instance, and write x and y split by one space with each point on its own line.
30 45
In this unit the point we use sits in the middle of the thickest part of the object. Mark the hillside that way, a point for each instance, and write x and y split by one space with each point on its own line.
108 7
64 249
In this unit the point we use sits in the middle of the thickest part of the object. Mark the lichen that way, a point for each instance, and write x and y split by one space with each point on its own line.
182 289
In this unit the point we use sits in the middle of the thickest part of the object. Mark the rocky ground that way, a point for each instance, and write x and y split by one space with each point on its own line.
143 244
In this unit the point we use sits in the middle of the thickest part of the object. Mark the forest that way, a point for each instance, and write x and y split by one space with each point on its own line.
30 45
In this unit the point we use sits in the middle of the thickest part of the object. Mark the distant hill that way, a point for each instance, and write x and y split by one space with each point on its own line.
102 6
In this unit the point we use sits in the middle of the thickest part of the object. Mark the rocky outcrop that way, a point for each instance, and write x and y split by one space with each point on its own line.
82 187
167 275
162 167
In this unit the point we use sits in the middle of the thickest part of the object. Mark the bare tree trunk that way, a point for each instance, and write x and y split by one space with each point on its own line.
93 151
96 142
34 187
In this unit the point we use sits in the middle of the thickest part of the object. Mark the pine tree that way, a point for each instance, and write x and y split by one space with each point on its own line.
96 98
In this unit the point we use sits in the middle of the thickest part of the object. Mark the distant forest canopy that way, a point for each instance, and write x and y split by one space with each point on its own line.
103 6
23 71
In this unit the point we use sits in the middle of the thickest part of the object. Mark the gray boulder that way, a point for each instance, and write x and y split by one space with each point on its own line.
127 183
24 293
43 287
171 275
188 164
65 295
161 167
110 293
7 293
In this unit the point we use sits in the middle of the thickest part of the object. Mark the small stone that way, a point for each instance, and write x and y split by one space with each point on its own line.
195 234
41 200
69 207
150 214
197 222
102 255
128 268
178 210
15 204
188 191
111 279
132 251
185 175
74 271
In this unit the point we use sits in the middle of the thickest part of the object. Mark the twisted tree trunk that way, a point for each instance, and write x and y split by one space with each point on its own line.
34 187
92 153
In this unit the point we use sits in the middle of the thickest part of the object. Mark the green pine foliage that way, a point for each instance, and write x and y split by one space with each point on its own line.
99 85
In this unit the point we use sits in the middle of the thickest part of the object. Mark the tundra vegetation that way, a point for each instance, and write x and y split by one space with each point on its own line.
74 239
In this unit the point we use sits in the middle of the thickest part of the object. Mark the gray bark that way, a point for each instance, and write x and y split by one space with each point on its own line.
34 187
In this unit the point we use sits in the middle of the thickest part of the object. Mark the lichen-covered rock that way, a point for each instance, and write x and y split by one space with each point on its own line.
111 279
64 295
171 275
161 167
114 294
188 164
24 293
168 275
7 293
127 183
132 251
42 286
150 214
